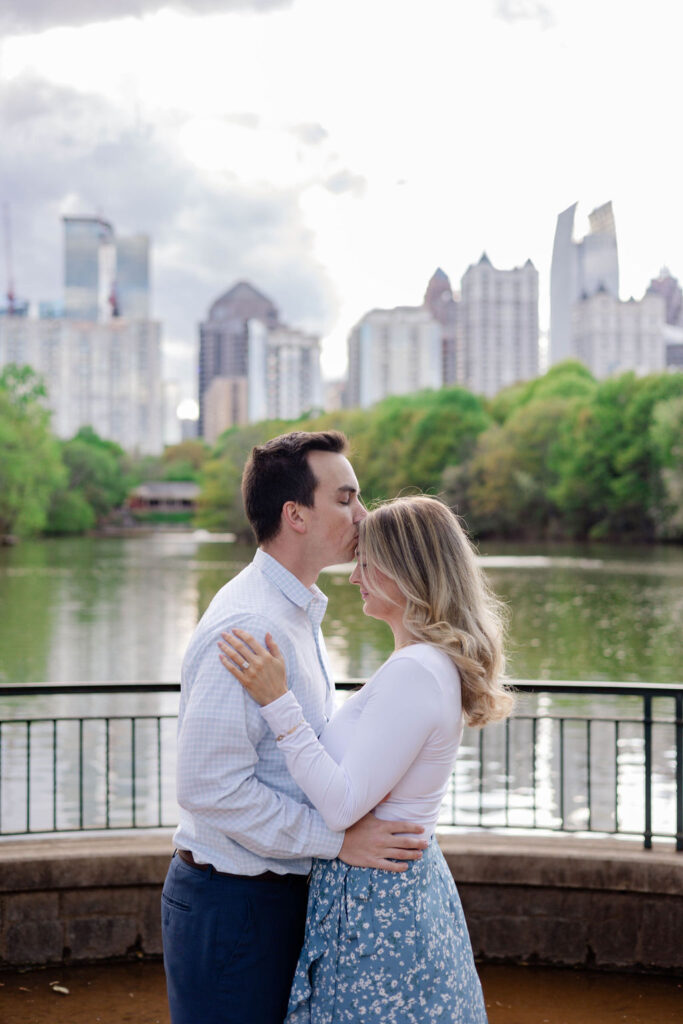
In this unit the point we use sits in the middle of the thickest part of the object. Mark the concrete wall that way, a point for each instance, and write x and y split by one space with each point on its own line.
596 903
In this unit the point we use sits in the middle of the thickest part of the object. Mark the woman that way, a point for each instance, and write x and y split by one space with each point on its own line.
381 946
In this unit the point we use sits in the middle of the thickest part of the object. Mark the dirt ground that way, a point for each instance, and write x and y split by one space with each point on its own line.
135 993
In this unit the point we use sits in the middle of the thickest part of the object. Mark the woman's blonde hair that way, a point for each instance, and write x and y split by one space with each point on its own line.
419 543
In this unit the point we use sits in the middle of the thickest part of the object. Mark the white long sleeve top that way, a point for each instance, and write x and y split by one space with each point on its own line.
390 747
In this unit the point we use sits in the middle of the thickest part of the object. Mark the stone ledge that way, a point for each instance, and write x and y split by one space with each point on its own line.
83 861
608 865
556 900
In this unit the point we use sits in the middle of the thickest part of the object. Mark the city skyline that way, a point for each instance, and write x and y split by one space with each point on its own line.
337 177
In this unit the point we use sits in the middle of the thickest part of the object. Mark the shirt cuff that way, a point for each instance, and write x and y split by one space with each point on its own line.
283 714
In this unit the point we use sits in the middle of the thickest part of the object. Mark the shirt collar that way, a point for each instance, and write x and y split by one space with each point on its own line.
311 599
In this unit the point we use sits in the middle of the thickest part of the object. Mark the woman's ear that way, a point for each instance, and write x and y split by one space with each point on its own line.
292 517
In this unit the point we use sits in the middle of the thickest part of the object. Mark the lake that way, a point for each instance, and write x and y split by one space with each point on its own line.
123 609
115 608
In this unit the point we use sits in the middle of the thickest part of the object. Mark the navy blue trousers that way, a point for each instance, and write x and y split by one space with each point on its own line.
230 945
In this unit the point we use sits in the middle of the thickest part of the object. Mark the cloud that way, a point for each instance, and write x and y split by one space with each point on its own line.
346 181
68 152
27 16
525 10
310 134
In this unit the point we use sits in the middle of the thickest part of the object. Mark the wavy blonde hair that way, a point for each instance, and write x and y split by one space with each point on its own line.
419 543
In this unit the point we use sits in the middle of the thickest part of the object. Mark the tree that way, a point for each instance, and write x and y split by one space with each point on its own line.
70 513
30 464
609 471
97 479
184 461
666 433
513 471
569 379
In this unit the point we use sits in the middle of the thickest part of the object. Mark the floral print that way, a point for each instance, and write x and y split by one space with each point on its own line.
384 947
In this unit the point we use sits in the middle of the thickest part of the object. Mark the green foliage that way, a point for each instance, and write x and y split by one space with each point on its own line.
98 481
567 380
560 456
69 513
184 461
666 434
610 479
406 441
96 469
30 466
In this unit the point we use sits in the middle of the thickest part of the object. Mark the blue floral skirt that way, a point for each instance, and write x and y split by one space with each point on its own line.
385 947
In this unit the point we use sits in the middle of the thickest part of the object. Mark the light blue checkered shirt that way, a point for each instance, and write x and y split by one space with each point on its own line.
240 808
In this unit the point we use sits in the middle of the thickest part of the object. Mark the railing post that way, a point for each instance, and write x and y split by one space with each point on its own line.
80 774
679 771
647 736
28 777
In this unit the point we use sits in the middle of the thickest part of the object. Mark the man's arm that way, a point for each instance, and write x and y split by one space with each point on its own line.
217 756
373 843
216 760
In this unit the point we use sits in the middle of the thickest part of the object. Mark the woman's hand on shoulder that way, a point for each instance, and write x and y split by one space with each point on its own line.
261 672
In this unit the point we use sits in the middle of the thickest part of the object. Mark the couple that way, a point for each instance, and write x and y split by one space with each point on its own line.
269 776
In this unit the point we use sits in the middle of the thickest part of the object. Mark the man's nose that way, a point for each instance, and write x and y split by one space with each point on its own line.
360 512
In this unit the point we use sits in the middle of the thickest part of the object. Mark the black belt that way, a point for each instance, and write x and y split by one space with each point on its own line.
264 876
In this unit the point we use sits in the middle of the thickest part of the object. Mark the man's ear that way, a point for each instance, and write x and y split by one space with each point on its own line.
292 516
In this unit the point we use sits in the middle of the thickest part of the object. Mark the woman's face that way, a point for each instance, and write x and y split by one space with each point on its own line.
387 603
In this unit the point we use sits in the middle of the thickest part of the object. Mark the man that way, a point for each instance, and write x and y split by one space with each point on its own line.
234 901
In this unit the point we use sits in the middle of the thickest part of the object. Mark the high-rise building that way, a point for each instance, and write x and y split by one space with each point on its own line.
101 368
105 276
107 376
499 325
293 379
224 338
394 352
579 270
131 289
611 336
252 366
443 306
89 268
668 287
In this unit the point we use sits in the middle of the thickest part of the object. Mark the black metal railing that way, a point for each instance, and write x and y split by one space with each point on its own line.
587 758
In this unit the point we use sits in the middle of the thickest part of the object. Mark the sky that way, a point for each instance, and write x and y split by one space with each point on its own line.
335 152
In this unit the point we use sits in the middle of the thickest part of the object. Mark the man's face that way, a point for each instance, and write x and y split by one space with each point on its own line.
337 509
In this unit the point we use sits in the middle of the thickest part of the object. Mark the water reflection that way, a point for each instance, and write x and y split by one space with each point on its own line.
105 609
123 609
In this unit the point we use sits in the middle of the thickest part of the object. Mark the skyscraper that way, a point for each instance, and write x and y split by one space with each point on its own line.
253 367
579 270
668 287
131 288
394 352
105 275
89 268
100 355
499 325
443 306
224 338
106 376
611 336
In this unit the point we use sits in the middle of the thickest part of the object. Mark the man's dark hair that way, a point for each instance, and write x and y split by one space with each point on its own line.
278 471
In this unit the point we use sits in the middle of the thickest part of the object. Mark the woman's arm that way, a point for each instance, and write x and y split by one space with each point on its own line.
402 708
